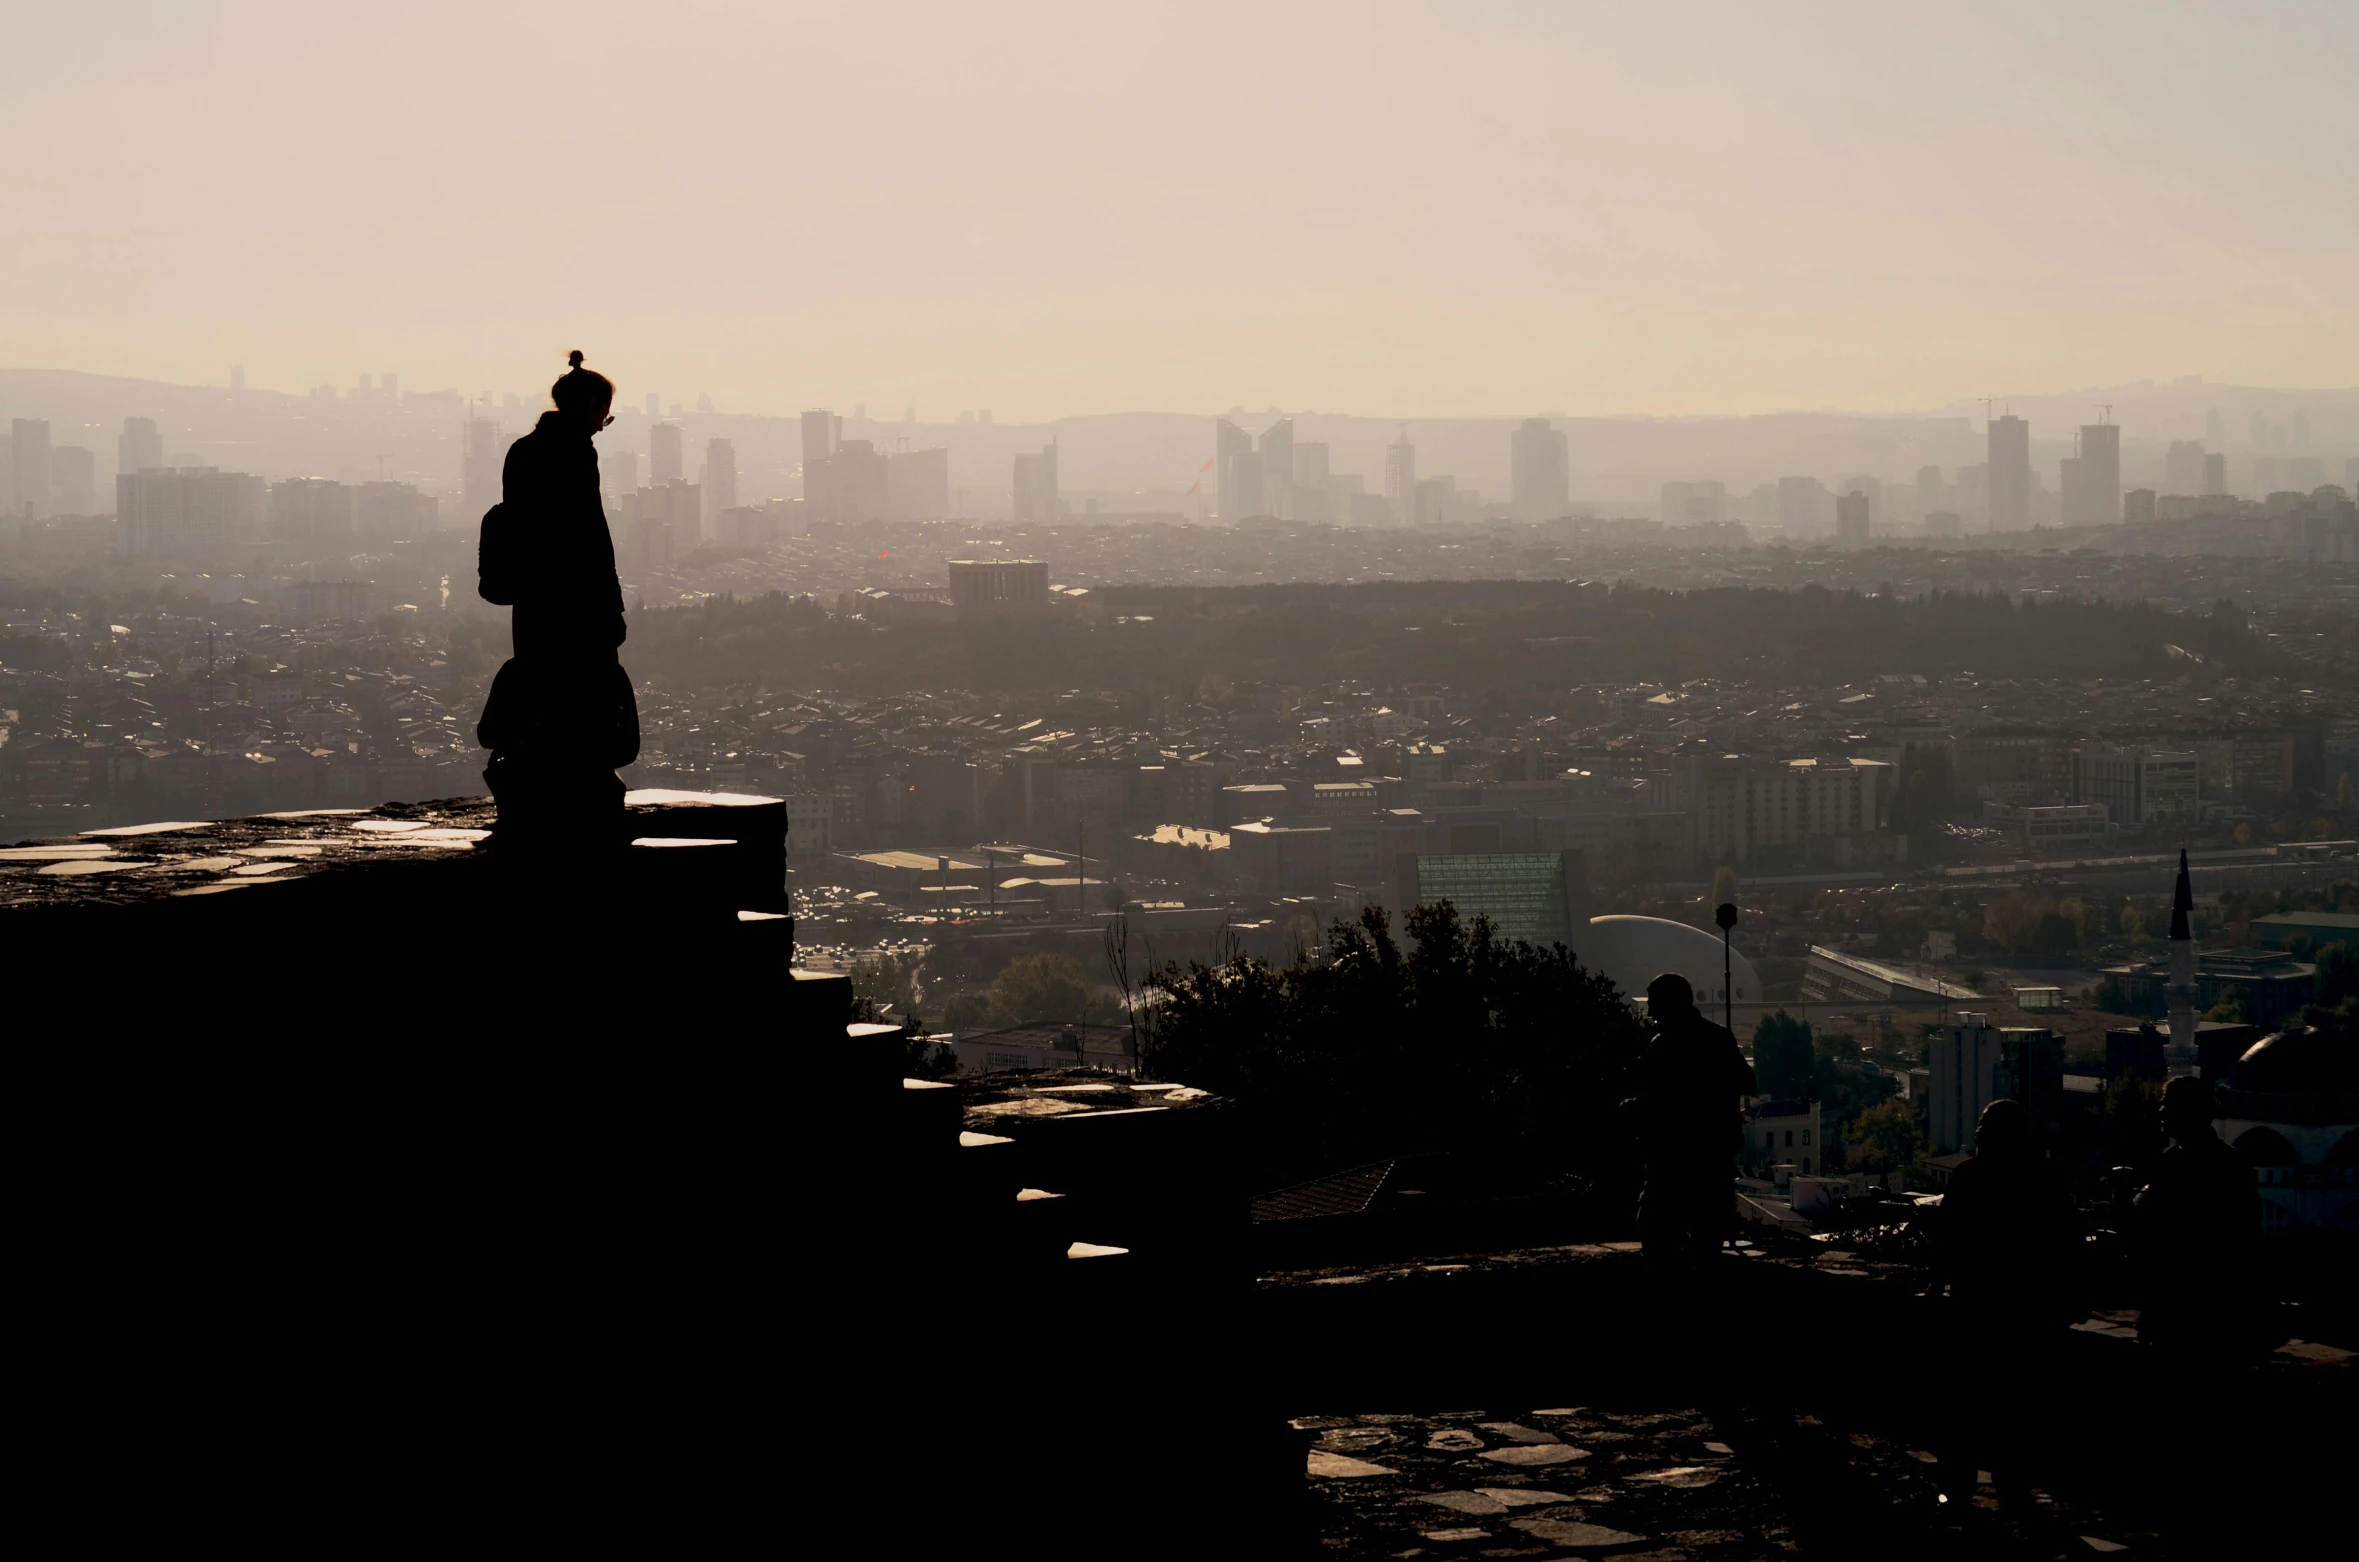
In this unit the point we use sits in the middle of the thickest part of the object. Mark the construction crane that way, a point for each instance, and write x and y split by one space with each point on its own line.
2105 410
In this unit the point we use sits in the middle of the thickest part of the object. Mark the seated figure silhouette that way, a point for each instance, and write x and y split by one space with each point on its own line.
2197 1224
2007 1240
561 717
1689 1079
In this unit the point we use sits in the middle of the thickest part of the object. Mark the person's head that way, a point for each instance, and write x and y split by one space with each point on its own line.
2187 1108
1670 995
2003 1129
583 395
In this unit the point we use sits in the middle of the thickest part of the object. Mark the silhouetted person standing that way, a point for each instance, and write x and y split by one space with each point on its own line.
561 717
2007 1233
1689 1080
2197 1222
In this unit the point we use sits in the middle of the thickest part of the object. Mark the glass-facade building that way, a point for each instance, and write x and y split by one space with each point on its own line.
1527 895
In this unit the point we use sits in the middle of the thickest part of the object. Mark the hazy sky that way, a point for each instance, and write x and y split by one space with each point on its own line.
1390 209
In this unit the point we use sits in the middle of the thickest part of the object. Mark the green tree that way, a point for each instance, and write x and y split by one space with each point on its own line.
2011 921
1048 987
1782 1055
2229 1008
886 982
2338 975
1886 1136
1463 1041
967 1012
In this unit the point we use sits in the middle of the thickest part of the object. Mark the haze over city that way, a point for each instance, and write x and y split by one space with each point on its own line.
1349 781
1390 210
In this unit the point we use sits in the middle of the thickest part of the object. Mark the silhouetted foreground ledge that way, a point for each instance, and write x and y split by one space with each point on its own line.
381 1188
410 917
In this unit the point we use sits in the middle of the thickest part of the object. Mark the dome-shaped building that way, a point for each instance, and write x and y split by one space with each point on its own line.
1543 898
2291 1104
1635 950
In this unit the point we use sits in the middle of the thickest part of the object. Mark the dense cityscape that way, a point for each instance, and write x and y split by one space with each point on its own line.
1356 781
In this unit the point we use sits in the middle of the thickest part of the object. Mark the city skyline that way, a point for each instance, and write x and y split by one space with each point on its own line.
1049 213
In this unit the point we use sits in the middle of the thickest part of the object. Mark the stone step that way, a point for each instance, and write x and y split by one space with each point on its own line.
818 1004
685 877
755 826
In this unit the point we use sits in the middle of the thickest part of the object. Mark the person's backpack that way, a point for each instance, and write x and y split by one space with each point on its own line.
498 568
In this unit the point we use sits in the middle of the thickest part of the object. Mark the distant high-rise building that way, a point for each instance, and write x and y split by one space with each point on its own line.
1695 504
28 445
2351 476
73 480
917 484
2260 429
139 446
1928 490
482 454
1036 486
618 471
2301 428
654 405
2100 477
665 463
658 521
1277 466
2071 501
1310 463
821 430
1437 500
1851 520
1539 473
2137 507
189 509
859 489
389 387
704 401
2182 467
1400 478
311 511
2138 786
2010 474
1228 443
720 478
2215 474
1973 506
1241 486
237 376
393 512
988 588
1800 502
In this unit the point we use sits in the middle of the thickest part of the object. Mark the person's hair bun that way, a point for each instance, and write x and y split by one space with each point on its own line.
574 357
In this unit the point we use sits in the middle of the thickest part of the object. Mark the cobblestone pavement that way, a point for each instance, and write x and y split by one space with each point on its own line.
1653 1485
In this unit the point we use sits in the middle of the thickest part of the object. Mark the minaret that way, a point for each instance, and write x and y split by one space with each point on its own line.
2179 996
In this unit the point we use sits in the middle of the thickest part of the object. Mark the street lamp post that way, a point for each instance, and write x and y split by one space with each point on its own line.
1725 915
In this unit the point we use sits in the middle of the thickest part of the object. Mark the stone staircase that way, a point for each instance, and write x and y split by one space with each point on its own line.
1048 1280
